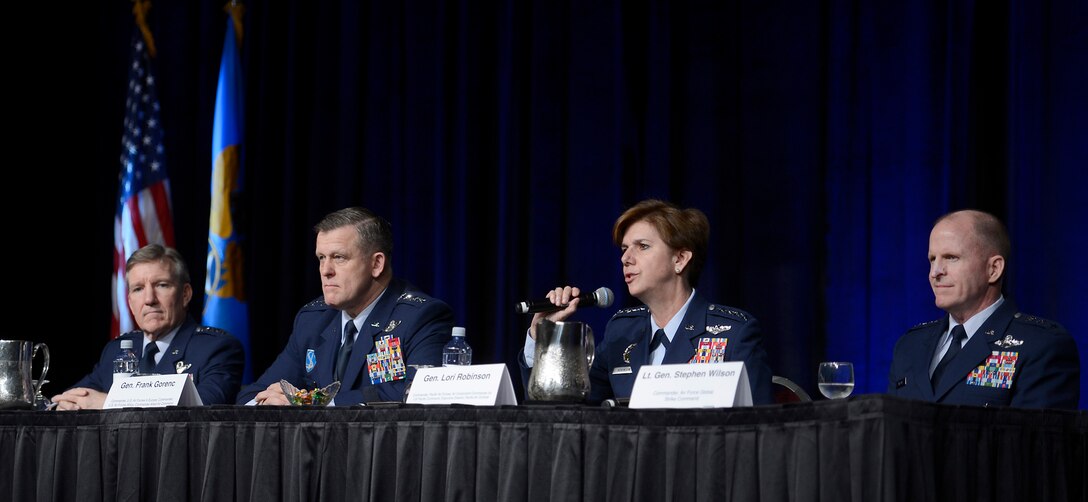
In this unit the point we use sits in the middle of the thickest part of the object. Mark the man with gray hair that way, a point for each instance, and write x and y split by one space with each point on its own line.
366 328
169 340
984 352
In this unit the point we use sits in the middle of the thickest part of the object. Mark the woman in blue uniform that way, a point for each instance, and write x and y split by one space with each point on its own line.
663 251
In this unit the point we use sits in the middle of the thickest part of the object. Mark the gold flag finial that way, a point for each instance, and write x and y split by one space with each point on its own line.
140 9
236 10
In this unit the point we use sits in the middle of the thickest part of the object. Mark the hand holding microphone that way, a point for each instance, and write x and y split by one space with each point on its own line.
560 299
561 303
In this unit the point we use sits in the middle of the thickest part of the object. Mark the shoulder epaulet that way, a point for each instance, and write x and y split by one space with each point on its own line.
136 333
211 330
924 324
411 297
629 312
729 312
1033 320
316 304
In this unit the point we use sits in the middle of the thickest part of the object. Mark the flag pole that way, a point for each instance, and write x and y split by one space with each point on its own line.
236 11
140 9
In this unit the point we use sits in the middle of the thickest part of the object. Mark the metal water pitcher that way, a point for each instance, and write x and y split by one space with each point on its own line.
17 388
564 353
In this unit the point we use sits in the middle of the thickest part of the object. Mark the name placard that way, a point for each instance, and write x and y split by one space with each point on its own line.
480 385
717 385
154 391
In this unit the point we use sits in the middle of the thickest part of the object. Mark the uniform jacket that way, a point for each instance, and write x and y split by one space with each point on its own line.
627 336
214 358
1012 360
422 324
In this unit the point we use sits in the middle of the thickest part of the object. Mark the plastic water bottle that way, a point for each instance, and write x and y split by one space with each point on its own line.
126 363
457 352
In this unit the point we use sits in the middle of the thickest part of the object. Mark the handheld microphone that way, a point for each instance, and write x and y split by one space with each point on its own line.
602 297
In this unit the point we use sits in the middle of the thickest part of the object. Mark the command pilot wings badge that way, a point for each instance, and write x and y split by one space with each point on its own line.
1009 341
718 329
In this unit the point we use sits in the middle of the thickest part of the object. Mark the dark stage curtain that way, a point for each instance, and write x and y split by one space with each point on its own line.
502 139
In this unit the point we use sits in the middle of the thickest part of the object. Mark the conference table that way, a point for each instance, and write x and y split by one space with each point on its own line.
865 448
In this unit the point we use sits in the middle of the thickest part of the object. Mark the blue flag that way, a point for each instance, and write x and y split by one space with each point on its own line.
225 299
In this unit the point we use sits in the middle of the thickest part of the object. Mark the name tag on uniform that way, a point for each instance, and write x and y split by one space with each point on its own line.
621 370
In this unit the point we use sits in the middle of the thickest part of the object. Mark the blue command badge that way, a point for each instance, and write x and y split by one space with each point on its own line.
311 360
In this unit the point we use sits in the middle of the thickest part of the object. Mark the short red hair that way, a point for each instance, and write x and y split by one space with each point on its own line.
679 228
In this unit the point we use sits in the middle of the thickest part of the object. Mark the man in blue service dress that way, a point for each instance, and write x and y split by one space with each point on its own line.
168 341
984 352
366 329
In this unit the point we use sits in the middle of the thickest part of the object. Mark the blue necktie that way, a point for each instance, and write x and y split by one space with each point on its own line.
958 334
147 363
344 355
658 340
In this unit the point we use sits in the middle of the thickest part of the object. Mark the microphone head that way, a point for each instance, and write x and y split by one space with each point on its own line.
604 297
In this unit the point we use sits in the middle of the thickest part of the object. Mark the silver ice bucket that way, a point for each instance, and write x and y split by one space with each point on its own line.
17 388
564 352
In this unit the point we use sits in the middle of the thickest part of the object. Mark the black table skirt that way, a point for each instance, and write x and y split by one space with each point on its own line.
867 448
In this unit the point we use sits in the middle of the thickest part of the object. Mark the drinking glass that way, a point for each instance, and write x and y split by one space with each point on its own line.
411 377
835 379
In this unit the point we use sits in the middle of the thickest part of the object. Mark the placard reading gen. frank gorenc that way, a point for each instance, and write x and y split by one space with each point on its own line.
153 391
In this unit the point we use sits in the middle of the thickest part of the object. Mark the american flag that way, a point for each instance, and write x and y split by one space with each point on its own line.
143 204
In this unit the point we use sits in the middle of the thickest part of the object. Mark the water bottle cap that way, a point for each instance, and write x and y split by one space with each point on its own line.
458 331
126 344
